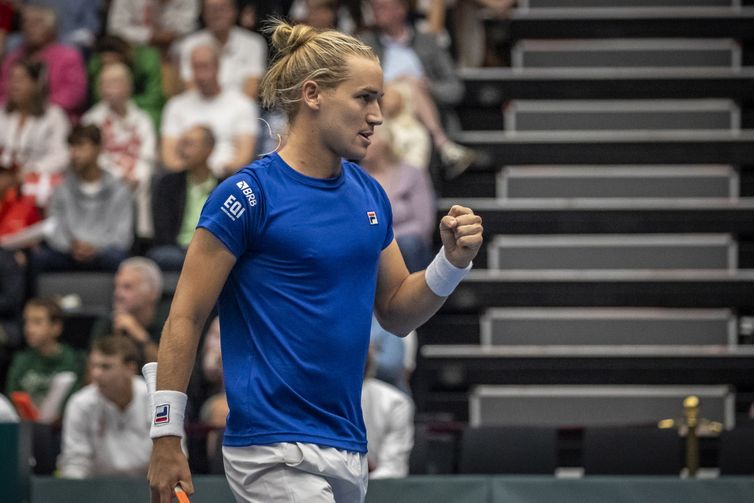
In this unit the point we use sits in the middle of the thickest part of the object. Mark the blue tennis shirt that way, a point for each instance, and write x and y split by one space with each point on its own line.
295 312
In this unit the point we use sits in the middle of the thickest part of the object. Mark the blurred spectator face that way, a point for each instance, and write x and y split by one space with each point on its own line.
115 84
39 329
84 155
219 15
389 13
322 14
132 292
110 374
21 87
38 26
194 147
205 66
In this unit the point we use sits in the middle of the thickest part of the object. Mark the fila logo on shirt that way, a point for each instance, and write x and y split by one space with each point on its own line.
162 414
372 216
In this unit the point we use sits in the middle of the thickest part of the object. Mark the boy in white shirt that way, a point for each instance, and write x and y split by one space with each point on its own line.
106 424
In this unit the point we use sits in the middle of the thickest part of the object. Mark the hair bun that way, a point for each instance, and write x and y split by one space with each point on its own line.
287 38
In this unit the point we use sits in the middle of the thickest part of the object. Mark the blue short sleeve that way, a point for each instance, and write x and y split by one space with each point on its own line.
233 212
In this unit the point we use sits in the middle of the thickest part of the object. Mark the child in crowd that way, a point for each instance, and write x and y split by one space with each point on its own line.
34 370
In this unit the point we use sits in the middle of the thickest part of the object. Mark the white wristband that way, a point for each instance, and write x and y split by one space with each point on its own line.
168 412
442 277
149 371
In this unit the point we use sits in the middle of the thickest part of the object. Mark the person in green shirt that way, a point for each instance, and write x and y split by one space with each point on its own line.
32 370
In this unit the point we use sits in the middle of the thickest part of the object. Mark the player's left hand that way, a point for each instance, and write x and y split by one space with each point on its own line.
461 234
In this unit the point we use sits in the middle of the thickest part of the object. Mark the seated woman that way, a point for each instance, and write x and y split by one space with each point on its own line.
33 132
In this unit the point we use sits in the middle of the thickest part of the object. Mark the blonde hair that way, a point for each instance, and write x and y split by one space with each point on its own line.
305 53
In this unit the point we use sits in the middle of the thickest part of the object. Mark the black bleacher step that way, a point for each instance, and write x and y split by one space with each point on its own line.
608 327
431 394
485 288
609 252
501 148
578 216
600 405
623 4
490 87
445 328
622 115
626 23
457 368
637 182
627 53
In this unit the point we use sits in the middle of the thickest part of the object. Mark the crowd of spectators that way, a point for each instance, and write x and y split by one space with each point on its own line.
119 117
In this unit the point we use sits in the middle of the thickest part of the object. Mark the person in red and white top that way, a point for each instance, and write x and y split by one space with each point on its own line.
129 143
33 132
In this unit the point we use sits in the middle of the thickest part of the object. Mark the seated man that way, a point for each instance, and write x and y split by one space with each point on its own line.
106 424
231 116
92 213
137 310
179 197
34 369
242 53
389 420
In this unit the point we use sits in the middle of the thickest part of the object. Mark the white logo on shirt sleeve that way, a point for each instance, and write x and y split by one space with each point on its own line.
233 208
250 197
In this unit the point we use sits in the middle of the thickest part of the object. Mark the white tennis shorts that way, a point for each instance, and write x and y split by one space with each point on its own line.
295 472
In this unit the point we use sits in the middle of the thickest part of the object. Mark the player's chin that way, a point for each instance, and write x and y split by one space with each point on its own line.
355 154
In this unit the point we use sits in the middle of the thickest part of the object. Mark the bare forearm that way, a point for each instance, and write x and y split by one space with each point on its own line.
177 352
410 307
206 268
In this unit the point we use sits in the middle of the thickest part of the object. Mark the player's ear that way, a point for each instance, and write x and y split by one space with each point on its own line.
311 94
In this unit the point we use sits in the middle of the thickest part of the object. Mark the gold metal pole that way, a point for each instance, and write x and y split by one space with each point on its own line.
691 416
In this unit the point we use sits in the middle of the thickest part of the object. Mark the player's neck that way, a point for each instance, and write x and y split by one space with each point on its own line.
309 157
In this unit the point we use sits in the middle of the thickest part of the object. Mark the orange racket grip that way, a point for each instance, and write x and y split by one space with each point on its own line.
181 495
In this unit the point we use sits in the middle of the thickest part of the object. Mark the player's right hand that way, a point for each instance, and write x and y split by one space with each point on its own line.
168 468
